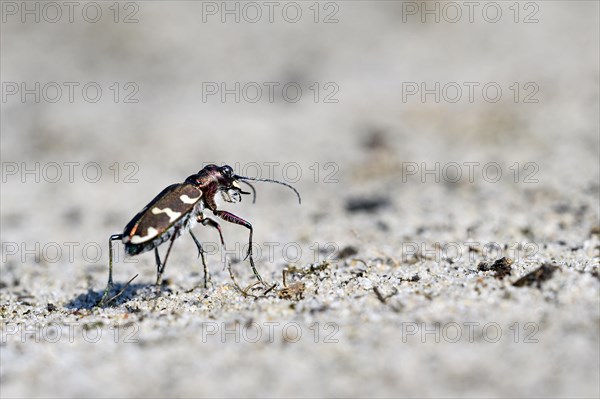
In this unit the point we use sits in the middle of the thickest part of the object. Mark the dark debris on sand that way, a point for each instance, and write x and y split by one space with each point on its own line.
501 267
538 276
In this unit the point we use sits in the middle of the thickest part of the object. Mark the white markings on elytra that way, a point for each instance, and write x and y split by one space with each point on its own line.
187 200
170 213
152 232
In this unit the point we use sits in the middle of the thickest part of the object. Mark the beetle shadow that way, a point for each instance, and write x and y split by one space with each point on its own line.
89 299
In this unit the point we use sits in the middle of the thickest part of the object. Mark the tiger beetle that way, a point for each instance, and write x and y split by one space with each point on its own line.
177 209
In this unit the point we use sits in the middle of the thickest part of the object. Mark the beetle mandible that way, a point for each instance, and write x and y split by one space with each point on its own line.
177 209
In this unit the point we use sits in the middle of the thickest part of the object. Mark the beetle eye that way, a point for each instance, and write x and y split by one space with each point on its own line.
227 171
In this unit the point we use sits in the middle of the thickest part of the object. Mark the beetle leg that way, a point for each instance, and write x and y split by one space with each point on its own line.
160 267
231 218
109 285
103 301
201 254
212 223
157 258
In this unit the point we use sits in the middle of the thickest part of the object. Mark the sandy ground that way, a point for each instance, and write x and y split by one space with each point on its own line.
405 278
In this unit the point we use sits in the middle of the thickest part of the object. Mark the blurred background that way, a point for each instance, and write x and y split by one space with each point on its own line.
369 108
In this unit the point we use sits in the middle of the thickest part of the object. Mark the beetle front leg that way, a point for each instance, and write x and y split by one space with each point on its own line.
231 218
212 223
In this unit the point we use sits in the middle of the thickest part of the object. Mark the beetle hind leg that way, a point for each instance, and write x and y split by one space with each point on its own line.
201 255
104 300
109 285
160 266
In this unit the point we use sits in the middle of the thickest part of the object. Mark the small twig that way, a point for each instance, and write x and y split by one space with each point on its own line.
122 290
270 289
283 276
379 295
244 291
235 284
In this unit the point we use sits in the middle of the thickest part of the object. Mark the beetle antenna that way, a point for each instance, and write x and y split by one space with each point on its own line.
253 191
242 178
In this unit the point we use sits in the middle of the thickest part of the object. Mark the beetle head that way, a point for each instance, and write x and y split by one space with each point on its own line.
223 177
229 185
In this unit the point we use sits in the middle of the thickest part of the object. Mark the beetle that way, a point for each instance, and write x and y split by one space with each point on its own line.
177 209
